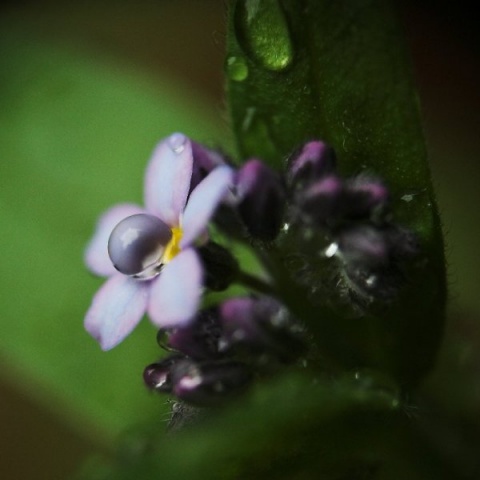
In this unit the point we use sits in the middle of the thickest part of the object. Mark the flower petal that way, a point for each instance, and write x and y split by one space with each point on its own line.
168 176
175 295
203 202
96 253
116 310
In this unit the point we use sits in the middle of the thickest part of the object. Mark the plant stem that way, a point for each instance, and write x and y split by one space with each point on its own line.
256 284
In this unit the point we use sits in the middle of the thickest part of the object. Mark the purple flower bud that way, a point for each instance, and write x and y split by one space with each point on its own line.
204 161
220 266
260 326
157 376
363 245
198 340
372 258
322 202
309 163
365 198
209 383
261 199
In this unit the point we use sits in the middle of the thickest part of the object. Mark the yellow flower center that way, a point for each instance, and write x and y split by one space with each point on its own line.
172 248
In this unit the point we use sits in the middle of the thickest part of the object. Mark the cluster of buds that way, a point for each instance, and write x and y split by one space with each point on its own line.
352 218
160 259
223 349
342 224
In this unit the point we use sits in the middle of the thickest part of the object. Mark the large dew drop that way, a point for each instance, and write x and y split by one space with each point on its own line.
136 245
262 30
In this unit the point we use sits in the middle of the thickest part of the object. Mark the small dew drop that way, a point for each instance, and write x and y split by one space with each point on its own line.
237 69
177 142
286 227
331 250
262 30
407 198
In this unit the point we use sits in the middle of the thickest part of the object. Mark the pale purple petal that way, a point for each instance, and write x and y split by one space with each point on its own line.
175 295
203 202
167 181
116 309
96 253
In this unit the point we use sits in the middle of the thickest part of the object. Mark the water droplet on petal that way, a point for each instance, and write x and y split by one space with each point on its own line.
136 245
177 142
237 69
263 32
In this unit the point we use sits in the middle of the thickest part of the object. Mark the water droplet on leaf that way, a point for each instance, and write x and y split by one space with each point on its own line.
263 32
237 69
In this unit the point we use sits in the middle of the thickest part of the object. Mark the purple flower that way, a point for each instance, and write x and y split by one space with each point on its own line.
148 256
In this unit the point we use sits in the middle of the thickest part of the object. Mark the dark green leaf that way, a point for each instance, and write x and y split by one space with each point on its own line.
290 428
303 69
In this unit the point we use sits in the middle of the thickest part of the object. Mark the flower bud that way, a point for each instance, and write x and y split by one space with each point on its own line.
209 383
259 326
204 161
321 203
157 376
309 163
365 198
198 339
363 245
261 200
220 266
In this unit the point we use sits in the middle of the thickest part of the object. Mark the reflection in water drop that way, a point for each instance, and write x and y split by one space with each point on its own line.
262 30
237 69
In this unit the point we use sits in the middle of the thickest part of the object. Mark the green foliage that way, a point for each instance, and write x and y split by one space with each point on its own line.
290 428
338 71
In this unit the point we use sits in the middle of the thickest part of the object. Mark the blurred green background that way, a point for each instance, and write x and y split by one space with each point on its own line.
86 90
